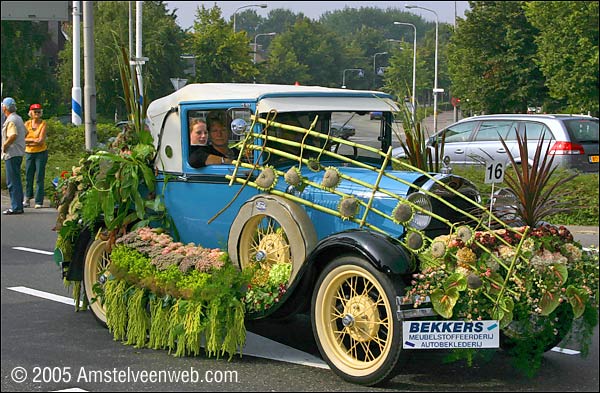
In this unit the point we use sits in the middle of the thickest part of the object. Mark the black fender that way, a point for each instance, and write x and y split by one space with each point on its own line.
385 253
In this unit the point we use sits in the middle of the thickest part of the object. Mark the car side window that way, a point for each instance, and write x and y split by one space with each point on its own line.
459 132
496 129
535 131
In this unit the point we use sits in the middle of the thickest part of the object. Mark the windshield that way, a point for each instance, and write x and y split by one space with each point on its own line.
583 130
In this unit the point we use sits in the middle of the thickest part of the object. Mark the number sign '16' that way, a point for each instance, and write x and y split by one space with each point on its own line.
494 172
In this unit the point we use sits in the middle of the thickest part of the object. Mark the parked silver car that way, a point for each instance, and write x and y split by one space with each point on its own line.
573 139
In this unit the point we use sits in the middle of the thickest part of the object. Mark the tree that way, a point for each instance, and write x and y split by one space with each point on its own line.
568 50
161 43
221 54
26 73
491 59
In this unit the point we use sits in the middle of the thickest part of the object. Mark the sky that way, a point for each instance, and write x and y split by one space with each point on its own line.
186 10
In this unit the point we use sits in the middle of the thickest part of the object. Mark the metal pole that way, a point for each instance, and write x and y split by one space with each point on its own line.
89 75
414 81
76 112
130 31
138 47
435 85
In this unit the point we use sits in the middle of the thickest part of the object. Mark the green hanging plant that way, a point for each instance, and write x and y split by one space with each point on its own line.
138 322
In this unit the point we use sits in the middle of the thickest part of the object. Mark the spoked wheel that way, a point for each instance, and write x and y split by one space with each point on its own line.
95 271
354 323
269 230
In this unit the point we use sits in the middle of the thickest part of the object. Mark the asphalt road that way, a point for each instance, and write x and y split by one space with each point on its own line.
58 348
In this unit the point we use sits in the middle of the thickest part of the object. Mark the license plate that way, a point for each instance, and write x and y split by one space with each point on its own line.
593 159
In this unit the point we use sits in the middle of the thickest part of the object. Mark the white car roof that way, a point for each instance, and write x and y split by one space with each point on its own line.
283 98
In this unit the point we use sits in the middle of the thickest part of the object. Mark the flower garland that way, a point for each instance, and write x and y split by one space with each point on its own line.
163 294
524 277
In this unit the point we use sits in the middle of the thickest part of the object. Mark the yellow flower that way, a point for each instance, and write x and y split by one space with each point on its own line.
465 256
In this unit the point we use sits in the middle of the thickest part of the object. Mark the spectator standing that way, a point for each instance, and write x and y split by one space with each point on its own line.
13 149
36 156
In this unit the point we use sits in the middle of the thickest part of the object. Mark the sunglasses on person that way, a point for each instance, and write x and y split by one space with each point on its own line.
37 111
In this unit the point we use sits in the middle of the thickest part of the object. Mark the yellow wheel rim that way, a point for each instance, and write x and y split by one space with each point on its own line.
97 261
263 240
354 320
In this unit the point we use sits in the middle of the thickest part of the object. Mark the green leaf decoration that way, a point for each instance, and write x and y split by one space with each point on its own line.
456 280
444 301
560 272
504 311
548 302
578 298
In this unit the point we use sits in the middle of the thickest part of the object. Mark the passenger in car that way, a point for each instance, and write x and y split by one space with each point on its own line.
218 151
198 134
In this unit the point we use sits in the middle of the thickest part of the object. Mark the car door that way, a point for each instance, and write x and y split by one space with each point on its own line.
456 141
534 131
485 145
200 201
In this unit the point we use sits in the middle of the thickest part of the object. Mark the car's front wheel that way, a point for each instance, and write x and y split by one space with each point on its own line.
353 320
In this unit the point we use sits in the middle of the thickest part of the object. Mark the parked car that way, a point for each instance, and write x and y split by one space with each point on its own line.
349 226
573 139
344 131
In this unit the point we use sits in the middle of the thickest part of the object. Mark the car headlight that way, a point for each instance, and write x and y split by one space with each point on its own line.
420 218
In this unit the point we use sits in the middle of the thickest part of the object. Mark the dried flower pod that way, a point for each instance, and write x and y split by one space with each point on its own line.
438 249
314 165
415 241
402 213
348 207
331 178
267 179
293 176
473 281
464 233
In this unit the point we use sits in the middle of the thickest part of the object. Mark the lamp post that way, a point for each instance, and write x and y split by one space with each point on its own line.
255 37
375 69
245 6
435 86
360 74
414 81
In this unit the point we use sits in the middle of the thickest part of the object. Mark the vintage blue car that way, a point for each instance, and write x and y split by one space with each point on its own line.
349 220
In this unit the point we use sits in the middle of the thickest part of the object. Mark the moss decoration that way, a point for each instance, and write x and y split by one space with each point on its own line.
348 207
267 179
331 178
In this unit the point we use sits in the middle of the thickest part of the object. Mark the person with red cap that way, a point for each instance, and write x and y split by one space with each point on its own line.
36 156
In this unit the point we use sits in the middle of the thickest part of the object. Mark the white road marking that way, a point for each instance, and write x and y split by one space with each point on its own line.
44 295
566 351
70 390
256 345
33 250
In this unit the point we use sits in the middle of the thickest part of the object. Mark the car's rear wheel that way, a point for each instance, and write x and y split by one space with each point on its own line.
95 273
354 323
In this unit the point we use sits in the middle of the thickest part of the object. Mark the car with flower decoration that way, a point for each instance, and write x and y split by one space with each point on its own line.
347 234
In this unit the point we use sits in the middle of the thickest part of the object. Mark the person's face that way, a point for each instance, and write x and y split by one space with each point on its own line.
218 134
199 134
36 113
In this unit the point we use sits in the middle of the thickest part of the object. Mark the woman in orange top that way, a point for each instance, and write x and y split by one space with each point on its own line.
36 156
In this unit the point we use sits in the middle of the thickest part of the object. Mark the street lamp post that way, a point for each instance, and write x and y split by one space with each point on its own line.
375 69
360 74
245 6
435 86
255 37
414 81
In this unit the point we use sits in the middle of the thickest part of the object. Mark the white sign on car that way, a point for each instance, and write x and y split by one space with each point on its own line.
450 334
